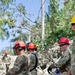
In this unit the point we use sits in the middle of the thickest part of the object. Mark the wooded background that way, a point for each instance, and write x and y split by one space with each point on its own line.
57 23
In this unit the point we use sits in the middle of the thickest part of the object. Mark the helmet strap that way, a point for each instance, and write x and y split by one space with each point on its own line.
19 47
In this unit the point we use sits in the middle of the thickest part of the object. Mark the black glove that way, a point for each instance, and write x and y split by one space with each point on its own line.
49 69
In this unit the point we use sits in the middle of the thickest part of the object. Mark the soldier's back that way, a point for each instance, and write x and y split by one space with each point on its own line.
33 63
24 65
72 47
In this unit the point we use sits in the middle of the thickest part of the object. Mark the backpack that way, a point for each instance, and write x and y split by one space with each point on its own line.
30 67
36 62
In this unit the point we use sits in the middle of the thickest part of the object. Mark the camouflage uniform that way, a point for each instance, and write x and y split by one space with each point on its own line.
73 57
63 63
20 66
32 63
7 61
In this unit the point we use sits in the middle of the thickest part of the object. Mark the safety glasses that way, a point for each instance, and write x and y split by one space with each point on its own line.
63 44
73 24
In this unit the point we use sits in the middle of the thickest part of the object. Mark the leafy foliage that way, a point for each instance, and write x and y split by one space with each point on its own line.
17 24
58 22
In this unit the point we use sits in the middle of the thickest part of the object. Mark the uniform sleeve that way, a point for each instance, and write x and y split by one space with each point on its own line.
17 65
63 60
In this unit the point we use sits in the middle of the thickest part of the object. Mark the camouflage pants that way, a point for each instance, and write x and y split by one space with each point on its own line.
7 67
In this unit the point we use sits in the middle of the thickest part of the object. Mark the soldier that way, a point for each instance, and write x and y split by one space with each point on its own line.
65 59
73 48
21 63
31 48
6 59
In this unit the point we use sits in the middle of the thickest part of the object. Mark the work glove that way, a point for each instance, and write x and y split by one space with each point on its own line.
50 68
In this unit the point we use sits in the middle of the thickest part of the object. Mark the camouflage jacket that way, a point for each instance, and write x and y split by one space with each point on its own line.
20 66
6 59
33 63
64 62
23 65
72 47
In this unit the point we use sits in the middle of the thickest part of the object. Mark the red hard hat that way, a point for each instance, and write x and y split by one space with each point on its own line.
19 44
31 46
6 52
64 40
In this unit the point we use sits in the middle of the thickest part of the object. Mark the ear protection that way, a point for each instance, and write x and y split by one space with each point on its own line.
27 46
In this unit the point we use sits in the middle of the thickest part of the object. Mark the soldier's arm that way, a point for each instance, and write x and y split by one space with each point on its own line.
3 57
17 65
63 60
